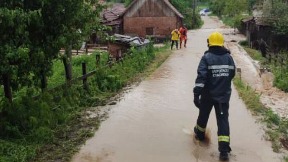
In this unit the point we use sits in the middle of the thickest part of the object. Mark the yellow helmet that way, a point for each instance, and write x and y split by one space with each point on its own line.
216 39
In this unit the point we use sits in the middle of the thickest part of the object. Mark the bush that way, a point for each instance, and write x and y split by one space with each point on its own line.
281 77
276 127
16 152
244 43
34 120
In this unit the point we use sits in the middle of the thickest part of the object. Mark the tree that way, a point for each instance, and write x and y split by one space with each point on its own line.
275 12
14 45
251 4
44 40
235 7
229 8
188 9
77 19
32 32
217 6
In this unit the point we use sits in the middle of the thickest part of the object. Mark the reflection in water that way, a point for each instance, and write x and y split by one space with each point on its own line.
201 146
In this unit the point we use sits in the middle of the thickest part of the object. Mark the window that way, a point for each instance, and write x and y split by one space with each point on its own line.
150 31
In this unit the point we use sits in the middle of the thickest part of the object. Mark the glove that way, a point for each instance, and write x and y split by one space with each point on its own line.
197 100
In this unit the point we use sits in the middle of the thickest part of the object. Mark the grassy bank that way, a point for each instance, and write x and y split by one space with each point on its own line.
279 70
52 126
276 127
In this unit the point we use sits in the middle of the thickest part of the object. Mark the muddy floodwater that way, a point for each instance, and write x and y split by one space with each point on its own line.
153 121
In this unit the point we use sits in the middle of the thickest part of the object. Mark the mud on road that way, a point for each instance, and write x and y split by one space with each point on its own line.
153 121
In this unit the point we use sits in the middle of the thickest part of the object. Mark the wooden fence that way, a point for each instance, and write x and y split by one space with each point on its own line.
84 77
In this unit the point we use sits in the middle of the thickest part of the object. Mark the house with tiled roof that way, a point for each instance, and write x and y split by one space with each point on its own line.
151 18
112 17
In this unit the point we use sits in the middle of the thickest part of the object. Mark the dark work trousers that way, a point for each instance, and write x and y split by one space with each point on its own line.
183 41
222 114
172 43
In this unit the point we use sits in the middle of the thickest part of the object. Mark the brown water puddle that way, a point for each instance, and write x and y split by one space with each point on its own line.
153 122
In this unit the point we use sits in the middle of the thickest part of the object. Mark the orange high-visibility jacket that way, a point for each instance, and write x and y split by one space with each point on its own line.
183 32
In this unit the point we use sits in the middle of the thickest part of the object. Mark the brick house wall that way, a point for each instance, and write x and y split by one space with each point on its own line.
151 17
139 25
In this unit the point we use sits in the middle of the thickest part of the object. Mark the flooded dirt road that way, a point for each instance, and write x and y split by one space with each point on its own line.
153 121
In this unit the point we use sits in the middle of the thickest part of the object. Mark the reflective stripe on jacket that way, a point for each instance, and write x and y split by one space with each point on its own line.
215 72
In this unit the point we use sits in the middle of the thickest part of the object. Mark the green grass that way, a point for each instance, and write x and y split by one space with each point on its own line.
286 159
202 6
52 126
249 96
58 72
276 127
14 151
281 76
228 21
254 54
280 72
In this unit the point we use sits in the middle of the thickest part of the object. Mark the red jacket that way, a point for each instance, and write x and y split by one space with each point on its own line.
183 32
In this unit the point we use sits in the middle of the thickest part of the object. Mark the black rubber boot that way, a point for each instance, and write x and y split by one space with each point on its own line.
199 135
223 156
224 149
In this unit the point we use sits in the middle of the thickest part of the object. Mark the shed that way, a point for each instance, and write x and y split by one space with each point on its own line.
122 43
255 30
155 18
112 17
245 25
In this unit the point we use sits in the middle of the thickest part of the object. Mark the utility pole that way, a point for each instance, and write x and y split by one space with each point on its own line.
194 4
194 7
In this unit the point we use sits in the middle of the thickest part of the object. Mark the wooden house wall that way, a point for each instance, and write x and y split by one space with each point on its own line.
150 8
150 14
255 33
115 49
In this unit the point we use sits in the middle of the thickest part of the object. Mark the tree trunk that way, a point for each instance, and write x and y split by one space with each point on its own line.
67 63
7 86
43 80
194 13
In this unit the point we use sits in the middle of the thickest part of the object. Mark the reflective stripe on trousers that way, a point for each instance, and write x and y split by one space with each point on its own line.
223 139
200 128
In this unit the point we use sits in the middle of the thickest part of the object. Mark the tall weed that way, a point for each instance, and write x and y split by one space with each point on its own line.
277 128
34 121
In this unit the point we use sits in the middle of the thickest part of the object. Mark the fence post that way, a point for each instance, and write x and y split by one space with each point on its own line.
97 58
238 70
43 80
86 49
84 72
7 86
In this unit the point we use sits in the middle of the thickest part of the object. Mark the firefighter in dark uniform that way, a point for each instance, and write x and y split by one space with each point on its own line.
213 88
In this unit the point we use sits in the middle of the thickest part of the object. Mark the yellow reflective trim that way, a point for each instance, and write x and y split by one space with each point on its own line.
200 128
223 138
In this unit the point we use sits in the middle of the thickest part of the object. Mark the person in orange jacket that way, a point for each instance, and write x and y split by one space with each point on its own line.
175 34
183 37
